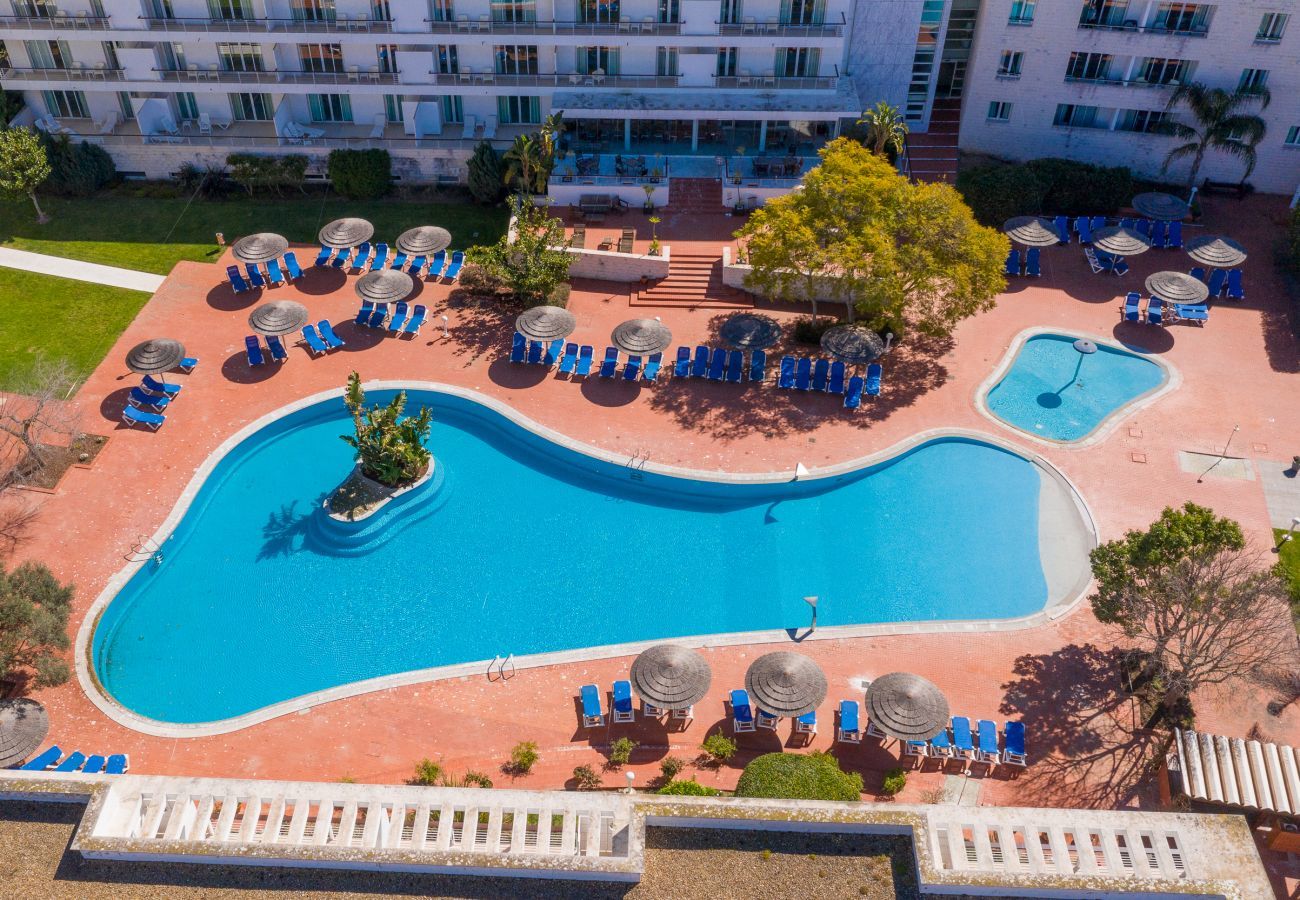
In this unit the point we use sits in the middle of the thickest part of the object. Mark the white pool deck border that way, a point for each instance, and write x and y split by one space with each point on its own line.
1172 381
1082 532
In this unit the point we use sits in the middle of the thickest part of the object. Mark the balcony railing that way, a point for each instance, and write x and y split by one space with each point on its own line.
773 28
486 25
1122 82
81 72
82 20
1132 26
558 80
279 76
342 24
778 82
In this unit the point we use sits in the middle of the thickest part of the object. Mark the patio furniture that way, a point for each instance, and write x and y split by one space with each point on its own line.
803 374
518 347
874 372
757 366
807 723
622 702
255 275
362 257
626 240
1062 224
341 261
785 379
836 383
44 760
700 367
735 367
277 348
1218 281
1159 233
632 371
453 269
742 714
253 349
399 317
963 743
94 764
570 359
1174 240
853 394
273 272
918 749
323 258
1192 312
585 353
1032 267
76 758
118 764
552 354
609 365
1236 291
821 375
1012 267
1083 228
363 314
579 238
682 368
236 280
326 331
149 383
591 712
940 746
1132 312
988 743
535 353
139 398
291 263
436 265
652 367
717 363
133 416
1155 311
1013 753
767 720
378 317
848 731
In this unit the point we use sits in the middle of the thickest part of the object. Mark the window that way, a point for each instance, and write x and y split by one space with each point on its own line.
392 108
515 60
35 9
330 107
666 61
1105 14
999 111
240 57
447 59
519 110
453 111
796 62
230 10
386 58
726 61
1069 115
442 11
670 11
1009 67
1293 137
312 10
1186 18
803 12
596 60
598 11
507 11
729 12
1271 27
1253 80
381 11
65 104
252 107
49 54
1089 67
320 57
187 107
1022 12
1143 121
1156 70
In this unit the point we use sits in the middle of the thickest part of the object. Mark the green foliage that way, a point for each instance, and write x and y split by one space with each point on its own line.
998 191
620 751
522 758
475 779
815 776
427 773
585 778
390 446
1291 249
211 182
688 788
34 611
251 171
886 129
361 174
485 173
809 331
522 164
559 295
1219 122
11 104
895 781
718 747
76 170
535 262
860 233
671 766
23 166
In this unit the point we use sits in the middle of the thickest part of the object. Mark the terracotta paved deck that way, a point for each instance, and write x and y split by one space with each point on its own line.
1239 370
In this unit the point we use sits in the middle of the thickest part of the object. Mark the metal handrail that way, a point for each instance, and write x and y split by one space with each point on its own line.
162 23
60 20
778 82
778 29
80 73
553 79
627 26
278 76
1122 82
1198 32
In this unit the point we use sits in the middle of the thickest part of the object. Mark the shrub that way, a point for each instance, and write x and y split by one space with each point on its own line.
585 778
390 446
250 171
1075 188
718 747
997 192
670 767
815 776
688 788
620 752
559 295
486 179
427 773
476 780
34 609
522 758
810 331
76 170
535 262
1291 251
895 781
210 182
11 104
361 174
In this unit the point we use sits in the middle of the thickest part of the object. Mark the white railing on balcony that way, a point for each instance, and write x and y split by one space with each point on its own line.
485 24
61 19
354 75
341 24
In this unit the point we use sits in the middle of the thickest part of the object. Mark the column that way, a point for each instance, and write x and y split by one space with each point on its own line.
695 135
627 135
762 135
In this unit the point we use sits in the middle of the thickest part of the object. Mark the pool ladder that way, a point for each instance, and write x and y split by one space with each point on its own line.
499 663
145 549
636 464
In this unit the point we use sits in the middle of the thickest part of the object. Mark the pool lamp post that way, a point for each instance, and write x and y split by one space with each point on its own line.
631 777
1222 456
1290 533
445 333
812 601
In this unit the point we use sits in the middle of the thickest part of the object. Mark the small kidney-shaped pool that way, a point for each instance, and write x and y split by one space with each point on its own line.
524 546
1053 391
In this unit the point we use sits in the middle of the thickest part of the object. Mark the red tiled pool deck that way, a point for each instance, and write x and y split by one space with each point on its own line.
1240 369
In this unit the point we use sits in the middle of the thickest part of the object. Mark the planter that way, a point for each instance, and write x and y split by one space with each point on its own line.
367 496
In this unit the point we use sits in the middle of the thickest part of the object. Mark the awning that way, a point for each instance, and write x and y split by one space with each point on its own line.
1237 772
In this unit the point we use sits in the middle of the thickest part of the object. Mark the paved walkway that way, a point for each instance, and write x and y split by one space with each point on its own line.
77 270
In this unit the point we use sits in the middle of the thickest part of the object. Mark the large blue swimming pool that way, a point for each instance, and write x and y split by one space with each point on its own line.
528 547
1055 392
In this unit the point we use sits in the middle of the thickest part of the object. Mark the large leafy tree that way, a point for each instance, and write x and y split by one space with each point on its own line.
1220 122
885 128
23 167
861 233
531 260
34 611
1200 603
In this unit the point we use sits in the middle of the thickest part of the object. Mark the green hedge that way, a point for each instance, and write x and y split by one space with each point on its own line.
1291 250
998 191
250 171
689 788
361 174
814 776
76 170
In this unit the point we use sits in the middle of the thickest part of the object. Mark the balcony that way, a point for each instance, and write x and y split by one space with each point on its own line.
556 80
260 26
80 73
1132 26
82 21
486 25
355 75
772 28
1123 82
777 82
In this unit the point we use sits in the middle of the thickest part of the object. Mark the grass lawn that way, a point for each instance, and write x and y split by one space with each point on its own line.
1289 564
152 234
60 319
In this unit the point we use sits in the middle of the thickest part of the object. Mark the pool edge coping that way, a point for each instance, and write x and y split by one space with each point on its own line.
1106 427
1054 609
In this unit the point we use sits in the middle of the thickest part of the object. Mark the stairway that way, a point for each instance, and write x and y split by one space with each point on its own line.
695 195
693 281
933 154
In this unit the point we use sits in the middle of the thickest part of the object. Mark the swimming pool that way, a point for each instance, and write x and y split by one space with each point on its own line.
1053 391
528 546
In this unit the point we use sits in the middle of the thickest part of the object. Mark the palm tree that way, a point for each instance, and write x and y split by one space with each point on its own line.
549 138
521 163
885 128
1218 124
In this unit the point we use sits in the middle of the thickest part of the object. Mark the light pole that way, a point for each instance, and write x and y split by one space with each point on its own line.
1290 532
631 777
812 601
445 333
1222 456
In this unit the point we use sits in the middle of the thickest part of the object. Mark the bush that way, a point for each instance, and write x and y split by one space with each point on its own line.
210 182
486 178
476 780
688 788
427 773
559 295
670 767
11 104
361 174
1291 250
522 758
390 446
997 192
1076 189
585 778
809 331
76 170
620 752
895 781
718 747
250 171
815 776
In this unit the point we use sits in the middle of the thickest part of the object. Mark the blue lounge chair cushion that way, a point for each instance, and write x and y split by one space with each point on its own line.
341 261
236 280
585 354
363 314
416 320
849 715
1175 238
272 269
609 365
453 270
757 365
1032 267
988 736
43 760
278 353
874 372
717 362
535 352
808 718
160 387
803 374
118 763
400 259
941 743
381 256
553 350
590 702
1063 228
399 318
682 368
1218 281
570 359
72 763
785 379
853 396
253 348
1155 311
188 363
323 257
518 347
1119 266
255 275
1198 273
961 734
1014 736
1012 267
1236 290
735 366
378 316
94 764
436 264
313 340
327 333
1131 306
291 263
821 375
138 397
700 366
632 371
652 366
740 708
622 696
1196 312
836 384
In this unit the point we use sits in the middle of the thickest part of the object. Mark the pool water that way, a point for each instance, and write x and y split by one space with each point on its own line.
1053 391
528 547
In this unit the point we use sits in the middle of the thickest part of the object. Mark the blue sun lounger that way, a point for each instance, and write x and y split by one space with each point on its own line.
1198 273
518 347
156 402
94 764
570 359
874 371
717 363
362 257
341 261
380 258
591 713
118 764
1155 311
652 367
621 705
1159 233
1192 312
682 368
853 396
962 743
1143 228
836 384
278 352
1132 302
632 371
700 366
416 321
552 354
1012 267
1083 227
363 314
149 383
273 272
254 276
807 723
609 365
74 762
187 364
1175 238
253 349
757 365
1236 291
43 761
735 366
1032 263
585 354
1063 228
1119 265
437 263
236 280
453 269
1013 744
785 378
988 746
940 746
802 374
400 260
323 258
326 332
416 268
291 264
399 317
535 349
848 730
315 345
1218 281
378 316
767 720
821 375
742 714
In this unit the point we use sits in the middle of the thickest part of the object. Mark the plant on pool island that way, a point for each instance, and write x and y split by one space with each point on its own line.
718 748
522 758
861 234
427 773
1219 122
1198 601
812 776
688 788
34 625
620 751
585 778
895 781
390 446
23 167
532 261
